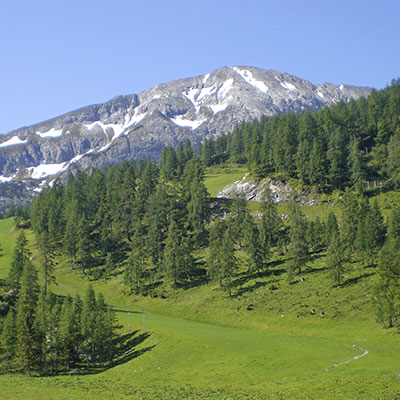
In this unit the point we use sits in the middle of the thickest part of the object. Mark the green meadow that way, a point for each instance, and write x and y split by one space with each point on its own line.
272 340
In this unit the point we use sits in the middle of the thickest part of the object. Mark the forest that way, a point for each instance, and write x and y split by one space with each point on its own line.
348 145
155 224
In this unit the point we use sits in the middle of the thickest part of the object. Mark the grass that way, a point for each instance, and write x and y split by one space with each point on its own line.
272 340
8 235
218 177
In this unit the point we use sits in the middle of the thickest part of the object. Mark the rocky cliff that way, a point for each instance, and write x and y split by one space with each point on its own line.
138 126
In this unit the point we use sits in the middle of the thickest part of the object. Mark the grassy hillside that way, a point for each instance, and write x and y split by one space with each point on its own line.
272 340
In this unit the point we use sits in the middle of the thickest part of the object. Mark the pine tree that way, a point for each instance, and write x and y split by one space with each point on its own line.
228 261
110 324
47 255
88 325
298 247
198 209
66 334
8 339
71 237
252 244
316 170
217 230
20 255
357 166
172 253
337 157
41 331
331 228
336 257
387 289
26 305
137 261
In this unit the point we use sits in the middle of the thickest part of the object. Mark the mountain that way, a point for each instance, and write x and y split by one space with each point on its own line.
138 126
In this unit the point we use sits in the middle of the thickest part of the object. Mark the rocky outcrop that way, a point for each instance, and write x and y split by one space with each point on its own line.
253 189
138 126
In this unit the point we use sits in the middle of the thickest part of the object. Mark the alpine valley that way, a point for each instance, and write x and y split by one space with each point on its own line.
137 126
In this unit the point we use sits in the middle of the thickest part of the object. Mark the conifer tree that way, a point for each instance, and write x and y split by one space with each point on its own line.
67 333
387 290
26 305
252 244
197 209
228 261
71 237
8 339
336 257
41 332
217 230
357 166
331 228
298 248
316 169
137 261
20 255
47 255
88 325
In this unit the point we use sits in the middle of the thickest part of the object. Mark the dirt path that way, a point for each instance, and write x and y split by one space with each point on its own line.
364 353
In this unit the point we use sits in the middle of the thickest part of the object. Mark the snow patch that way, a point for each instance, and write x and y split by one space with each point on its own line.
13 141
50 133
248 77
288 86
341 87
190 95
320 95
208 91
4 179
186 123
216 108
118 128
205 79
44 170
135 119
226 87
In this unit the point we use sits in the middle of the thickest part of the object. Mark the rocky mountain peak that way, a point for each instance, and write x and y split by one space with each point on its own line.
138 126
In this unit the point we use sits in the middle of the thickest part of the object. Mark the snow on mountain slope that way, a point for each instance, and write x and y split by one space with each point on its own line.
138 126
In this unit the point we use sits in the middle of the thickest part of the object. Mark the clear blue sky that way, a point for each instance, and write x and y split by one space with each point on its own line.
59 55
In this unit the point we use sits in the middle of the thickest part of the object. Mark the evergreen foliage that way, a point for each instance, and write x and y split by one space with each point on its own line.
42 334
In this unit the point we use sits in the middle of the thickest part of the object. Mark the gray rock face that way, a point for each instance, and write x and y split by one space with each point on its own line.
138 126
255 189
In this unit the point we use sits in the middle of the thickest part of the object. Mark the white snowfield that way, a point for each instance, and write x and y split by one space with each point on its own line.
50 133
216 108
286 85
200 96
44 170
13 141
218 99
118 128
4 179
187 123
248 77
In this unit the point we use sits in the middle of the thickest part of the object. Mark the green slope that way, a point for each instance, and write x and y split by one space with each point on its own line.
199 344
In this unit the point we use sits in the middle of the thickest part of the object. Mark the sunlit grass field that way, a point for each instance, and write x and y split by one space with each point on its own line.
272 340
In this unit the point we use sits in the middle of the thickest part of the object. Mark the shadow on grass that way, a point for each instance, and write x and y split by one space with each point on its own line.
250 288
125 351
127 311
352 281
245 277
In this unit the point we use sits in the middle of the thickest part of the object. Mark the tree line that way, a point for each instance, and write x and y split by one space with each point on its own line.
153 228
42 333
348 145
155 223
